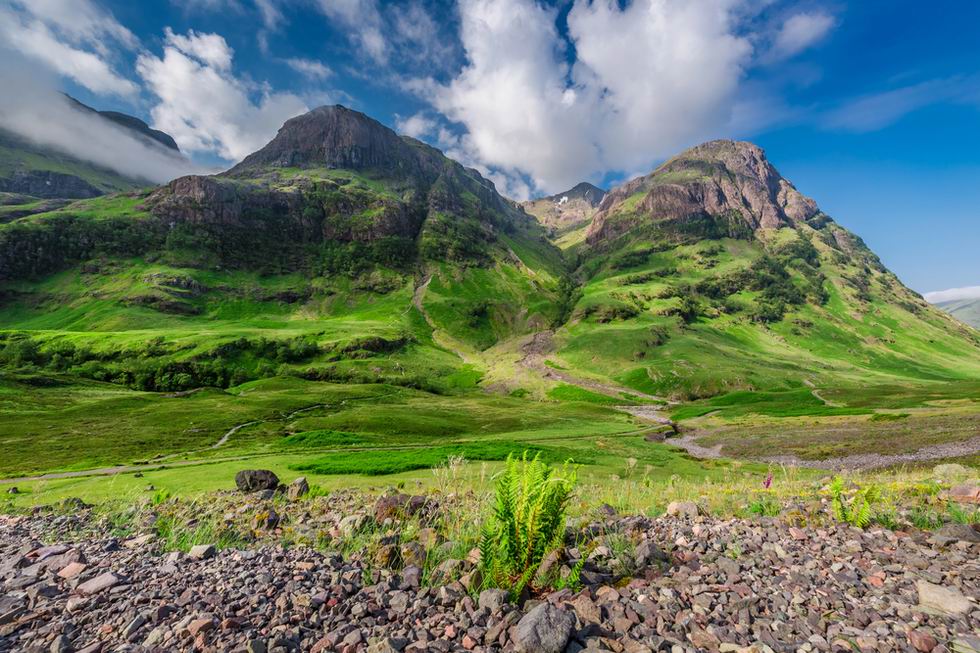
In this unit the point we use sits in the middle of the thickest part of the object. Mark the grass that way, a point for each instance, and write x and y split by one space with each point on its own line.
382 463
566 392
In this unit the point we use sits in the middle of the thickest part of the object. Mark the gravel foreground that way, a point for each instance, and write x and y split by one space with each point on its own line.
716 585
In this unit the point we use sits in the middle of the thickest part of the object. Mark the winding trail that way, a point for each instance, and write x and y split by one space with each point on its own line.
852 462
442 338
541 344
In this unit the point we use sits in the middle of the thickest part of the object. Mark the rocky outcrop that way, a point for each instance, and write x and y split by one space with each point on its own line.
332 137
48 185
215 201
256 480
720 178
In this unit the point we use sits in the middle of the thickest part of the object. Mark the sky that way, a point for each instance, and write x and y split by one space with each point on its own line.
870 107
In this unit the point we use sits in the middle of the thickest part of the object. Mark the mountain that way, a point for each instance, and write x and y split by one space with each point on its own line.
339 250
714 273
132 123
343 251
964 310
567 214
39 172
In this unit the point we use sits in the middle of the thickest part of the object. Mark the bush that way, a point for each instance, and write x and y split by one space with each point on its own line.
527 523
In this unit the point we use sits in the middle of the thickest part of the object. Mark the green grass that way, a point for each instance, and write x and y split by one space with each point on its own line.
381 463
566 392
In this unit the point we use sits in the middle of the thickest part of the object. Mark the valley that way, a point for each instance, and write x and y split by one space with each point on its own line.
348 358
324 267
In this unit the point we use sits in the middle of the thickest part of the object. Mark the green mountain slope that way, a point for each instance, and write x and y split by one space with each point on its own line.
964 310
714 274
340 251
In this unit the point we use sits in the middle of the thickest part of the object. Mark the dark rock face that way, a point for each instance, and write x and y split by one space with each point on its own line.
720 178
332 137
215 201
48 185
256 480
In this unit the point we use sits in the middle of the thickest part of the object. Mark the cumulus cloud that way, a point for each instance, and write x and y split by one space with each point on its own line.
69 37
953 294
416 126
311 68
647 78
31 107
211 49
204 106
800 31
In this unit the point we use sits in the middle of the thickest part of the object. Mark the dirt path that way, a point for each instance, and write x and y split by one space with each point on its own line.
541 344
852 462
442 338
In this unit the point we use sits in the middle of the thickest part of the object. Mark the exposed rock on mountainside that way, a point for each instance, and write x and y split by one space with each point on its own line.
49 185
563 212
334 174
726 179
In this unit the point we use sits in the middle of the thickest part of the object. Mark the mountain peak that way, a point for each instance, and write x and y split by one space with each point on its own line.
590 193
717 178
331 137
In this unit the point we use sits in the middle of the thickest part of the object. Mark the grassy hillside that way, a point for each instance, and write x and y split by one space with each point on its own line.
346 292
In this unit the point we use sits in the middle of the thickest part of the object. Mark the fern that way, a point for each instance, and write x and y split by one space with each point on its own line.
526 523
855 510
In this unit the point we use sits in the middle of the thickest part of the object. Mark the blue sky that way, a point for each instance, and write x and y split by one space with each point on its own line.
870 107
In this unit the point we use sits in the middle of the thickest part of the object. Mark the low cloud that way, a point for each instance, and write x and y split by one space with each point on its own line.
953 294
37 112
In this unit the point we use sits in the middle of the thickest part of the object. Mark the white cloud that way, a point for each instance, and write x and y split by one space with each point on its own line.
878 110
311 68
211 49
800 31
363 21
648 78
953 294
205 107
31 107
272 16
70 37
416 126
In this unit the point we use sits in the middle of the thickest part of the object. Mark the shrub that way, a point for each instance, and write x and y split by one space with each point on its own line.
528 522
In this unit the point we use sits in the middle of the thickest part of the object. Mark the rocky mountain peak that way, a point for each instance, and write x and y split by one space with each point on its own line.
584 191
330 137
723 177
